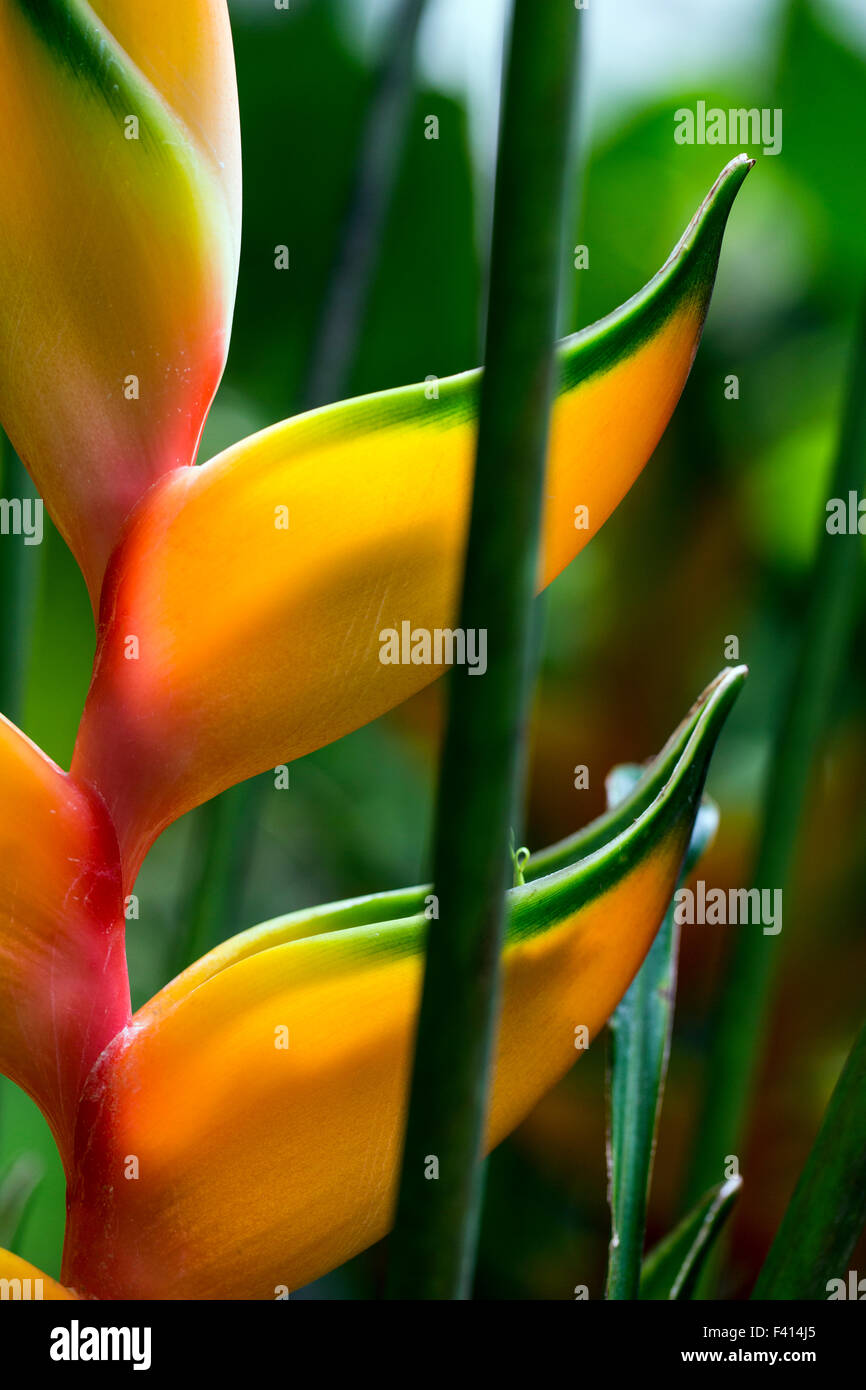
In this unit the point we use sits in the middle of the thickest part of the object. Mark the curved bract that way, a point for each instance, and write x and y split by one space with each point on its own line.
185 53
119 241
262 1094
245 584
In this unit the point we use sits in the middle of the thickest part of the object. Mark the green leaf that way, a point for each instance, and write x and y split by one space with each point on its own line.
671 1269
823 138
829 604
827 1212
641 1031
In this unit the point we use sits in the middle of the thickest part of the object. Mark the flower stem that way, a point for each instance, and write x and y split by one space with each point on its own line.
433 1247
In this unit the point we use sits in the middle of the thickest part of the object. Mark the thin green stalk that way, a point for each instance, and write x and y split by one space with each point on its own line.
827 1212
740 1029
222 853
18 568
433 1247
227 827
358 253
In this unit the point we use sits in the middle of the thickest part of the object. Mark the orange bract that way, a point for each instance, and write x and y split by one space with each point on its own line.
118 253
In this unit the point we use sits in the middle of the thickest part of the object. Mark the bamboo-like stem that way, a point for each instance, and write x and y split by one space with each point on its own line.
827 1212
432 1250
741 1020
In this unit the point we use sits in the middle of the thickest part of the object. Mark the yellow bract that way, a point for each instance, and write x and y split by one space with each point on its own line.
265 1109
261 1096
242 587
25 1283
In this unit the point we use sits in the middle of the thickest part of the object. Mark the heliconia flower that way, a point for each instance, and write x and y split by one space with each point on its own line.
119 243
240 1135
240 587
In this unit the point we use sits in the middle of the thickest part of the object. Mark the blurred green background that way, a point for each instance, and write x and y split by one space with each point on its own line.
714 540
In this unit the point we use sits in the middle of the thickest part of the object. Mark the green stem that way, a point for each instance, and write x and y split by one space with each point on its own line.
741 1022
827 1212
433 1246
18 570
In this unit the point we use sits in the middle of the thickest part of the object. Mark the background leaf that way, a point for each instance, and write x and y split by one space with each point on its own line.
640 1032
828 1209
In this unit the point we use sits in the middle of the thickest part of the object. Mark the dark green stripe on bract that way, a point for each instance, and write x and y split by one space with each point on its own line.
77 42
456 403
623 810
545 904
675 779
547 901
687 277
